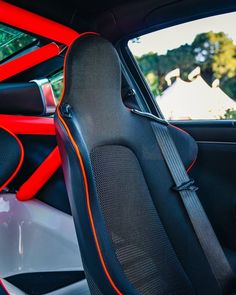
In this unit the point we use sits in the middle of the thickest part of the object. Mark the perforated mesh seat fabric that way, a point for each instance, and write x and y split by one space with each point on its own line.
134 234
139 239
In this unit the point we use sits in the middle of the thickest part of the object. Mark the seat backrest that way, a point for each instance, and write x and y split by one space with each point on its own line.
134 234
11 156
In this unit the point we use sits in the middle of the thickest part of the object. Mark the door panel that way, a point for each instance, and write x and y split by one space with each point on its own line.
214 130
214 172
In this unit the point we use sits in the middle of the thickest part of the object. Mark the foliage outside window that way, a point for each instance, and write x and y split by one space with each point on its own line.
212 52
56 81
12 41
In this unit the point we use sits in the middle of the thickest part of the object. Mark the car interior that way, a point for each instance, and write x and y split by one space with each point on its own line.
111 182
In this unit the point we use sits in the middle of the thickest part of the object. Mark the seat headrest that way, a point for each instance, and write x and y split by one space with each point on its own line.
92 76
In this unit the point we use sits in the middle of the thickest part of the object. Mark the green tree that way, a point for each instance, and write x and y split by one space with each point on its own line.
181 57
148 63
230 114
215 53
160 65
11 41
57 83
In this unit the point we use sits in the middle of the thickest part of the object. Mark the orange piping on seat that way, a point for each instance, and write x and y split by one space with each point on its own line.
85 180
20 162
88 203
4 287
191 165
194 161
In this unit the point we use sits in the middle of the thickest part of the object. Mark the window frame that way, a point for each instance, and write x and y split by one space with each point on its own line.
132 67
21 51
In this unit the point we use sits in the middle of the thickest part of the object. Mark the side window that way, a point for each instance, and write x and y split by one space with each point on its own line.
191 68
12 41
56 81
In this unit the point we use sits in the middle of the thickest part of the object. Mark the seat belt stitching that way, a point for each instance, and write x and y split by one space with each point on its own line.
187 185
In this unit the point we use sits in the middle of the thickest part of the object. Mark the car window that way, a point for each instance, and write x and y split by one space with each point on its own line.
56 81
191 68
12 41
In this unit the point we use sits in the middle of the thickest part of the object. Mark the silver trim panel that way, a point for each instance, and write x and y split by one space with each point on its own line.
47 94
35 237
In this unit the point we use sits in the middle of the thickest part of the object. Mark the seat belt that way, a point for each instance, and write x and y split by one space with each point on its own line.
187 190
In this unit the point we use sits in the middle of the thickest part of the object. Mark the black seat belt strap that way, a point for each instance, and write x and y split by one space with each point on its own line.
187 190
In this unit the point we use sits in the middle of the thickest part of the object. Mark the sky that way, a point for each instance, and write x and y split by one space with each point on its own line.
173 37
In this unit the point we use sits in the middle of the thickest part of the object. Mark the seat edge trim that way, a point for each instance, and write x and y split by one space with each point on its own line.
20 161
88 203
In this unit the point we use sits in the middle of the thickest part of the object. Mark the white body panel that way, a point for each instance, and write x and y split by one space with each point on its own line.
35 237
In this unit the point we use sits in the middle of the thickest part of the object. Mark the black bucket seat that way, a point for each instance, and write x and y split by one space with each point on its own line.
134 233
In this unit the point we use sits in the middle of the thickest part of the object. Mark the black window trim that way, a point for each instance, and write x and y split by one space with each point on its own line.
137 76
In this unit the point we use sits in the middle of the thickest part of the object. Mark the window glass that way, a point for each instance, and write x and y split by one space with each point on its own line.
56 81
191 68
12 41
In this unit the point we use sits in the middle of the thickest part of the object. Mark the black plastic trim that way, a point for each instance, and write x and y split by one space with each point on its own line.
43 282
